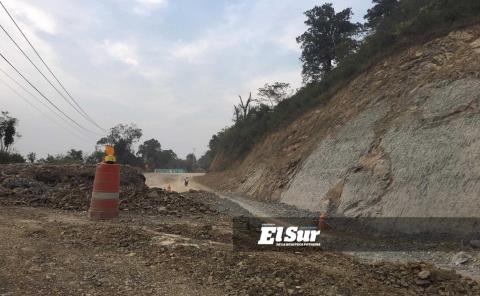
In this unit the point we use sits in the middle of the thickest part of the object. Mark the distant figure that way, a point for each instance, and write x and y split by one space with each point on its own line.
169 189
185 181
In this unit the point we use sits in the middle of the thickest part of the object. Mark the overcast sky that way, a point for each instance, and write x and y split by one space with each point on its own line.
173 67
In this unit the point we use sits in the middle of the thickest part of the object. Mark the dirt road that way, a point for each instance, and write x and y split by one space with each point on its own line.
162 180
53 252
278 211
168 244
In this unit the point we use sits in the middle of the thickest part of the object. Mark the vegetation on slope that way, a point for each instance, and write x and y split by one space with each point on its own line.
390 25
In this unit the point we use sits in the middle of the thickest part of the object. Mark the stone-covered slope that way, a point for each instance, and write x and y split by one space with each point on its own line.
403 139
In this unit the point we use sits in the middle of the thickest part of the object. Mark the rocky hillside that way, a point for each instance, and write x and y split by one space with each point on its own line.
402 139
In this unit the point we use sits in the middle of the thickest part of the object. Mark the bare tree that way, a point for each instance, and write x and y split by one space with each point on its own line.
242 110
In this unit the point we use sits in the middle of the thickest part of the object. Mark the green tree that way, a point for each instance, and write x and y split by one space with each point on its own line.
328 39
205 160
31 157
149 151
8 131
94 157
74 155
191 162
381 10
167 159
122 137
274 93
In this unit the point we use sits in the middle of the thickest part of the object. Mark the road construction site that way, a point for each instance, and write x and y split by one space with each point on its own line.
171 243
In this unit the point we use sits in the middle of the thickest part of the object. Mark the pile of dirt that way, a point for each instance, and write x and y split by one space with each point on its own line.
69 187
160 201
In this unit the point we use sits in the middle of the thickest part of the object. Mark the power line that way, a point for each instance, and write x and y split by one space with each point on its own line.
39 110
85 114
39 71
48 100
54 111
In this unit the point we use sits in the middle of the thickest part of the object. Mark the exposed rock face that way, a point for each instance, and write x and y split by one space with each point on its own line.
424 163
332 161
403 139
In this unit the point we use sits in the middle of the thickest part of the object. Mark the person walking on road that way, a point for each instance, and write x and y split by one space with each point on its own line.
185 181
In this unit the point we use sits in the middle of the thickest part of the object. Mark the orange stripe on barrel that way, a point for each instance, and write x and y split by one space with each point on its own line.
106 186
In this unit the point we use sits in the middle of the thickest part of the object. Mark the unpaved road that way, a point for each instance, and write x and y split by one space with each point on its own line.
163 180
176 182
55 252
168 244
276 211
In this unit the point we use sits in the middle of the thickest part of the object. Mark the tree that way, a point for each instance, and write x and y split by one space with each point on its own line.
8 131
167 159
274 93
122 137
94 157
191 161
205 161
381 9
149 151
74 155
31 157
242 110
328 39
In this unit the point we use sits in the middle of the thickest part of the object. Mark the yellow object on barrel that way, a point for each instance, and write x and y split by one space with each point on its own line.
109 155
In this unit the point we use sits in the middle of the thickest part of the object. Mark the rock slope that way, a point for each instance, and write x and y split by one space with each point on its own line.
400 140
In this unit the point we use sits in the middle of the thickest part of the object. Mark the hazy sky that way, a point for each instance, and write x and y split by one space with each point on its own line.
173 67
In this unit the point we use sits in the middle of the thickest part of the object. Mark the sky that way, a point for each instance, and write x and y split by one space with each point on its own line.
175 68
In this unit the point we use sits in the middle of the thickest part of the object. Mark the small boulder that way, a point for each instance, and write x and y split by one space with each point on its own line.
460 258
475 243
152 194
424 274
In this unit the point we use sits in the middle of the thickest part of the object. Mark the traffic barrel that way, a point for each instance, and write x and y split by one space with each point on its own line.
322 222
106 187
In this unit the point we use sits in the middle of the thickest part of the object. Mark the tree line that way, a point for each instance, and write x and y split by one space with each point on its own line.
122 137
333 51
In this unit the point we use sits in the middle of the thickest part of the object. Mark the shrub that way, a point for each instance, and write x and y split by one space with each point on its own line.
9 157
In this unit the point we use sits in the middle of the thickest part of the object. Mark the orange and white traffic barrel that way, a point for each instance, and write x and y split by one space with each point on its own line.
322 222
105 196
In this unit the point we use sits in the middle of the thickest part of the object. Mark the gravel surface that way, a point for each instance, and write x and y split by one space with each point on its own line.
183 248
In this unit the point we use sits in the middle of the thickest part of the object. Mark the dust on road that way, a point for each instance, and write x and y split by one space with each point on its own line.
163 180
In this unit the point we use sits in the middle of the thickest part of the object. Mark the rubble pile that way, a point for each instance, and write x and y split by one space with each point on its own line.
264 273
69 187
157 200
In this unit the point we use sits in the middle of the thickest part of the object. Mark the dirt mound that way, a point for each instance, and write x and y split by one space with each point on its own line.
69 187
159 201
